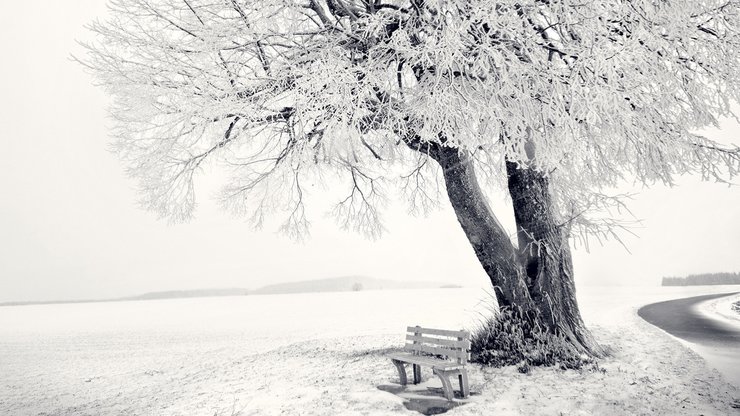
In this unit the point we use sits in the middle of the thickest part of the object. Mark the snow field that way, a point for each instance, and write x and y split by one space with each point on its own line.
322 354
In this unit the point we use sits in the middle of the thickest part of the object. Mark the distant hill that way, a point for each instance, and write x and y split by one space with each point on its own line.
336 284
197 293
343 284
703 279
169 294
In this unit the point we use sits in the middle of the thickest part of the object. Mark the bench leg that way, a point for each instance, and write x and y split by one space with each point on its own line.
464 387
446 385
417 374
401 371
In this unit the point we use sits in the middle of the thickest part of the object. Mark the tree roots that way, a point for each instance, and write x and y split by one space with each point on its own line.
510 339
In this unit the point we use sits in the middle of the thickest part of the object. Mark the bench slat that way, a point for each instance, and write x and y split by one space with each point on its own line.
439 341
425 361
463 355
442 332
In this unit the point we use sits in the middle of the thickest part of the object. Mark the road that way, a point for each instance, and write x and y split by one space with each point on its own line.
715 340
682 318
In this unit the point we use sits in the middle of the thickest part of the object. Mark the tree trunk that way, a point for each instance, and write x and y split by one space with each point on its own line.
544 253
536 278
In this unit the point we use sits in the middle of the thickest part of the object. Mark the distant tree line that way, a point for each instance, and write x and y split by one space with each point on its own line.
703 279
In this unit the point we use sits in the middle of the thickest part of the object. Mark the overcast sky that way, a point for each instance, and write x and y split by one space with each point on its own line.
70 227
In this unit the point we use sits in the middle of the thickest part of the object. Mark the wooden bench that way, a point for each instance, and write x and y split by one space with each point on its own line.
446 352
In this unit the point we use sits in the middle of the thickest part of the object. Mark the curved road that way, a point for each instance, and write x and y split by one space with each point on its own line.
718 342
681 318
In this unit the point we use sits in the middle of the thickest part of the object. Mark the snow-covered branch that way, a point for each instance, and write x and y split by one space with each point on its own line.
588 92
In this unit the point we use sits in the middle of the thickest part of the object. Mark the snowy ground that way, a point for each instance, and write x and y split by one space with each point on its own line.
323 354
723 308
724 358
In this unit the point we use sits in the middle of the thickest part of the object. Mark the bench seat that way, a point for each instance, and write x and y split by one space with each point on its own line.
425 361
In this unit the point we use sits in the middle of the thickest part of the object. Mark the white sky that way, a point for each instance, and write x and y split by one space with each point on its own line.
70 227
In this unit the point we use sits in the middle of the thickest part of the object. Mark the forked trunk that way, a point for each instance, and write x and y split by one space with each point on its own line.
536 278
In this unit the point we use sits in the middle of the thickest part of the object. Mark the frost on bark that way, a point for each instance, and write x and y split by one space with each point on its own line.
553 103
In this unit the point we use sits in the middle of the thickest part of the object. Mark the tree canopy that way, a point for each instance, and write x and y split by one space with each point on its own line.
283 92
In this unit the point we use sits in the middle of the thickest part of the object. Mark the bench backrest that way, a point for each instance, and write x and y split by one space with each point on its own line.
453 345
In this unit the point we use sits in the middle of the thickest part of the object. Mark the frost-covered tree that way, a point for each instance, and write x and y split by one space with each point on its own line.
551 101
